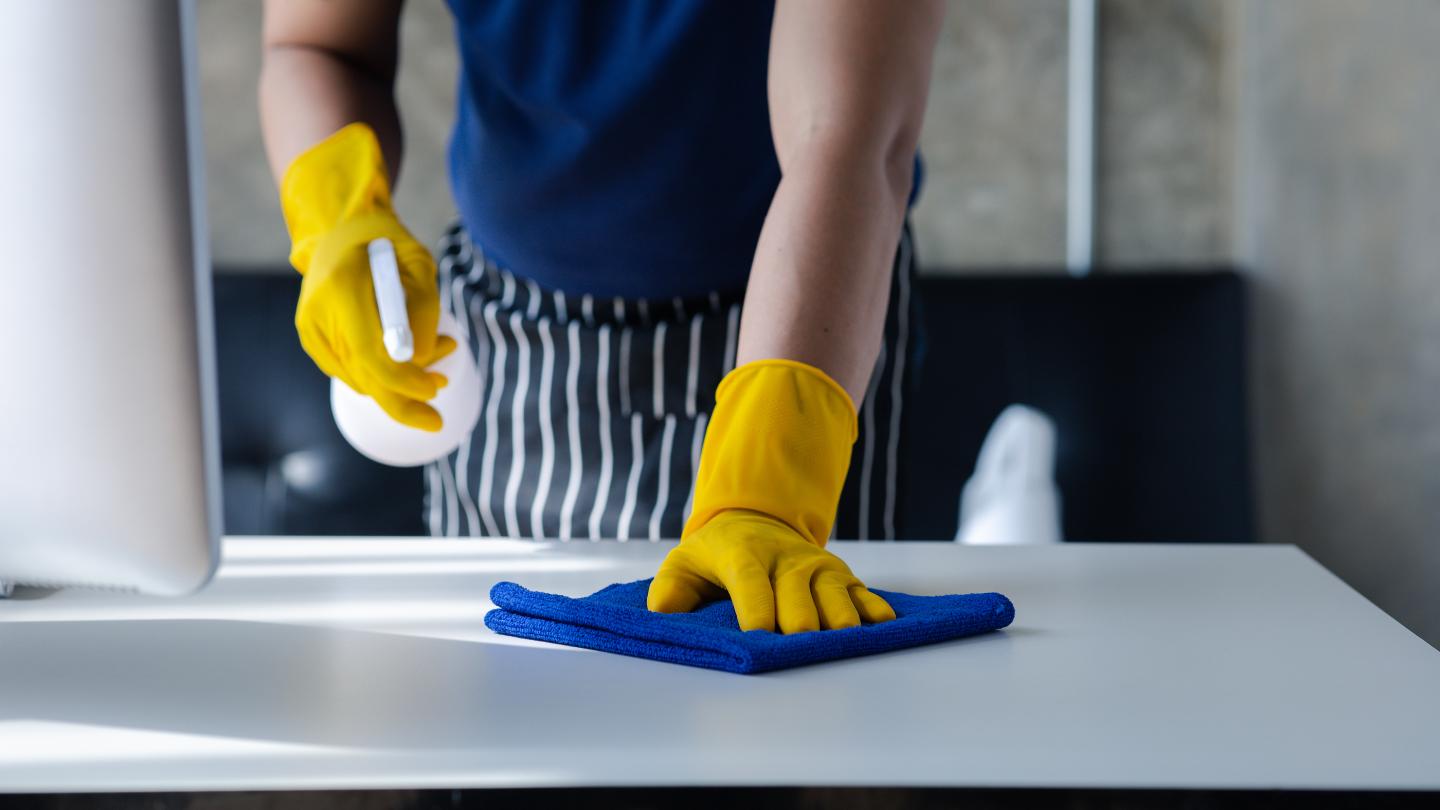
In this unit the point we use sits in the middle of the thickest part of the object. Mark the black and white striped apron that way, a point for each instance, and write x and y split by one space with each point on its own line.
593 410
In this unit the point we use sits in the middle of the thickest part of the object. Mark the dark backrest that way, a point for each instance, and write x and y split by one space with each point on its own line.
1143 374
287 470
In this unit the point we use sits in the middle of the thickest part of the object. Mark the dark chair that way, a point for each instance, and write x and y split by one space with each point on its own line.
1143 374
287 470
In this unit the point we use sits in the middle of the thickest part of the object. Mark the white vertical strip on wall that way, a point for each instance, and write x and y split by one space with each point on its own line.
1080 141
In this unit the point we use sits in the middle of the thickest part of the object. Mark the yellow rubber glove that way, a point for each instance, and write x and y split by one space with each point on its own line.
336 200
774 459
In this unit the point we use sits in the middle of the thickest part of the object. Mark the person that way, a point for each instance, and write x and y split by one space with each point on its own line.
682 261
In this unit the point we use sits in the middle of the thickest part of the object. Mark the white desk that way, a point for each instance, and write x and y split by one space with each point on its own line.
353 663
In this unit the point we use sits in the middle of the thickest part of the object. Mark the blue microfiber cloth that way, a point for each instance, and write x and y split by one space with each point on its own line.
615 619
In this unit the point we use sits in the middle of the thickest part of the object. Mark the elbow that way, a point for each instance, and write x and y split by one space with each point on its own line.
898 161
376 68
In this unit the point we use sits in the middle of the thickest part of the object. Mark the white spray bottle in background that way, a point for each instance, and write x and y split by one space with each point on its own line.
1012 498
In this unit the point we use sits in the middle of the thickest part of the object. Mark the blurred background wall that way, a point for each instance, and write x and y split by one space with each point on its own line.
1296 139
1338 227
994 141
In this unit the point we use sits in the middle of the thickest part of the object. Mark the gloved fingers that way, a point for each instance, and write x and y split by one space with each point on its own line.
406 411
417 271
754 601
795 605
422 297
444 345
872 608
406 379
349 379
832 598
425 339
677 591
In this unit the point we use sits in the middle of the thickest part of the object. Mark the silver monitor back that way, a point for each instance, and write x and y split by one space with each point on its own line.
109 472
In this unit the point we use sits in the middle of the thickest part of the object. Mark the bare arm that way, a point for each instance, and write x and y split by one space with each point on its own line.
847 84
328 63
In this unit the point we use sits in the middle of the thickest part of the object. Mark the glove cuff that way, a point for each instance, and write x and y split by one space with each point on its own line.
337 179
779 444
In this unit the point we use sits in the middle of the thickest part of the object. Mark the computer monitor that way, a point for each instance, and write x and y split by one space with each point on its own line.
109 472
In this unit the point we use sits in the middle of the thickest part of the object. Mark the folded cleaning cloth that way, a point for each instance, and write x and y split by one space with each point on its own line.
615 619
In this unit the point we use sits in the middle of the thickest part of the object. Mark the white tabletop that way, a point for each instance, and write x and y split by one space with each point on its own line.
364 663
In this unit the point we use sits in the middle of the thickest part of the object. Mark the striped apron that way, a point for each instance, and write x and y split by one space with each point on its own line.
593 410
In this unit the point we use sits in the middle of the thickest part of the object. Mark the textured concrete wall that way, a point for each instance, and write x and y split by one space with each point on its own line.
994 137
1338 220
1165 126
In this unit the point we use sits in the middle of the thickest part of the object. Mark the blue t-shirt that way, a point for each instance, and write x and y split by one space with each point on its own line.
615 147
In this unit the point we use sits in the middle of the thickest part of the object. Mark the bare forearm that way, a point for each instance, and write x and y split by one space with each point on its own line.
820 282
306 94
327 64
847 86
